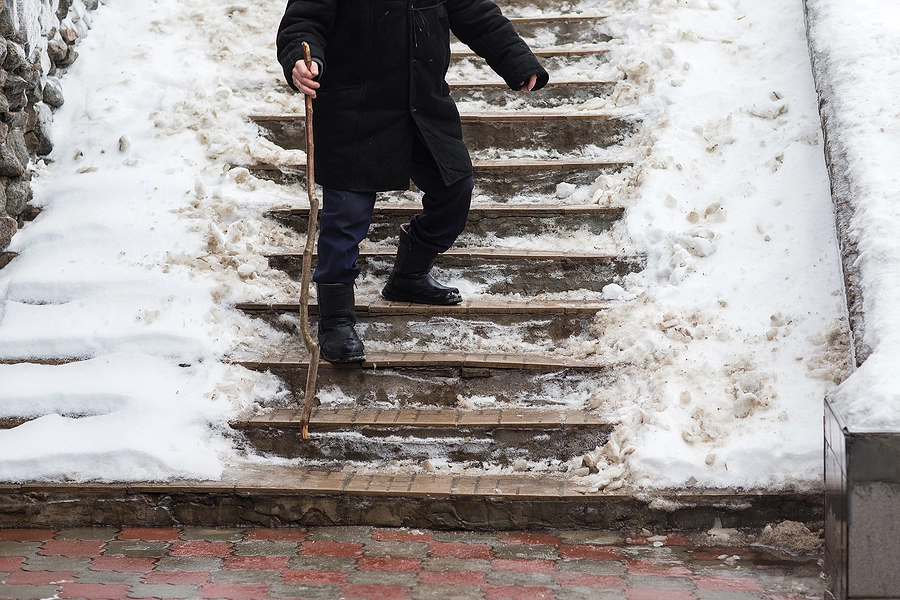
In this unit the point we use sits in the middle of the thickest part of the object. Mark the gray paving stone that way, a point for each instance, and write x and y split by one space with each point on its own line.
383 578
265 548
588 593
478 565
468 537
659 582
136 548
188 563
111 577
321 563
212 534
103 534
26 592
296 590
601 538
19 548
526 551
591 567
396 549
57 563
717 595
164 590
520 579
447 592
340 534
245 576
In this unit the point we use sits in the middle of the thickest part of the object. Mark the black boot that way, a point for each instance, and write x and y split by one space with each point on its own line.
338 341
410 279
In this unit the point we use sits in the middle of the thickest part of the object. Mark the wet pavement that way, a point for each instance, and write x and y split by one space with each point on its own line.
381 564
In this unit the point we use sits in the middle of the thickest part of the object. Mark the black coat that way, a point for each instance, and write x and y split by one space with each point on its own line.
384 63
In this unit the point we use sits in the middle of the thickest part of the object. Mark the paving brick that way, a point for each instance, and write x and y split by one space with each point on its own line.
19 548
71 548
163 590
401 535
257 563
265 548
321 563
314 577
136 548
386 578
523 566
456 564
338 534
26 535
276 535
210 534
189 563
331 549
40 577
526 551
725 595
149 534
376 592
452 578
386 563
728 584
56 563
123 564
464 537
396 549
98 591
201 549
235 591
594 581
589 593
659 582
8 564
246 576
26 592
306 592
591 567
446 592
95 534
651 594
460 550
116 577
177 578
591 552
514 592
651 567
531 539
521 579
598 538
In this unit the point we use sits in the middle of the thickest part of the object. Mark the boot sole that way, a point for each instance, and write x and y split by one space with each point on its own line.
399 297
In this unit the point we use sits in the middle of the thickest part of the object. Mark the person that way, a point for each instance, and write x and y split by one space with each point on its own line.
383 116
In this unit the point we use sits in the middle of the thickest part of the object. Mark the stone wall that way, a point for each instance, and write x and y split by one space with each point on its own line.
37 44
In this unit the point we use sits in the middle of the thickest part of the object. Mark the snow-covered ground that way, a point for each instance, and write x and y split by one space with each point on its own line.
152 230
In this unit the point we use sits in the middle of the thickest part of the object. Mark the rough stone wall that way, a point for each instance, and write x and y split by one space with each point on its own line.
37 44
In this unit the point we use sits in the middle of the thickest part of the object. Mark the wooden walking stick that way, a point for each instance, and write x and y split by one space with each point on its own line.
312 228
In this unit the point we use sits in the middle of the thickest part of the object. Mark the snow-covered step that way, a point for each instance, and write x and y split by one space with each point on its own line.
498 179
548 52
554 94
448 379
558 30
507 130
485 219
495 436
498 271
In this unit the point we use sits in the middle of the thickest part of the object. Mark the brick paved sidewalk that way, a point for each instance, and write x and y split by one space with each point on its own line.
376 564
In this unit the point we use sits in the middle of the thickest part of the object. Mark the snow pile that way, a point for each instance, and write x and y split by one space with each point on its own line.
859 48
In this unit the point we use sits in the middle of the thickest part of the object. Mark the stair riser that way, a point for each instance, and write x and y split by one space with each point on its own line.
440 387
369 444
553 32
527 277
498 185
385 227
549 97
559 135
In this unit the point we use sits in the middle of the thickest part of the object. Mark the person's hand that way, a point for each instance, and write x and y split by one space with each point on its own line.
528 84
303 77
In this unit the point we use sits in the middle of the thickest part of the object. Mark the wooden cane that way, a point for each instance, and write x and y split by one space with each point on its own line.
312 229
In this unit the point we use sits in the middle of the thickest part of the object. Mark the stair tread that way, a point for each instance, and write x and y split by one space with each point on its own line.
544 52
495 209
494 254
429 418
483 115
385 360
482 165
486 306
462 83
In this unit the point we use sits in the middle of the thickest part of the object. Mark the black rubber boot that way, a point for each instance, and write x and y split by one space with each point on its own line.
338 341
411 281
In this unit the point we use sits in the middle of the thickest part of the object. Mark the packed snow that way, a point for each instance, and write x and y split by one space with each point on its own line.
153 228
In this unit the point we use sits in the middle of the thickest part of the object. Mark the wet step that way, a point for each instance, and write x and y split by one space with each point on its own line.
558 30
495 436
553 95
509 130
494 271
422 379
499 180
484 219
532 321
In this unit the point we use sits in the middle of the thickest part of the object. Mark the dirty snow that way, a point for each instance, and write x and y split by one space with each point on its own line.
152 229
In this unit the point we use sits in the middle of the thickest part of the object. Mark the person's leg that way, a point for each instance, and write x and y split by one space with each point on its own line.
443 218
343 223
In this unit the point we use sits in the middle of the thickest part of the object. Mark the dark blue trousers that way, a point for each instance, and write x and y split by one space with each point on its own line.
346 216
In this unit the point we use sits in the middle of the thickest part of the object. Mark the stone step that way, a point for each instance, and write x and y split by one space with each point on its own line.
535 322
422 379
254 495
494 436
502 220
554 94
506 130
559 30
498 179
527 272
